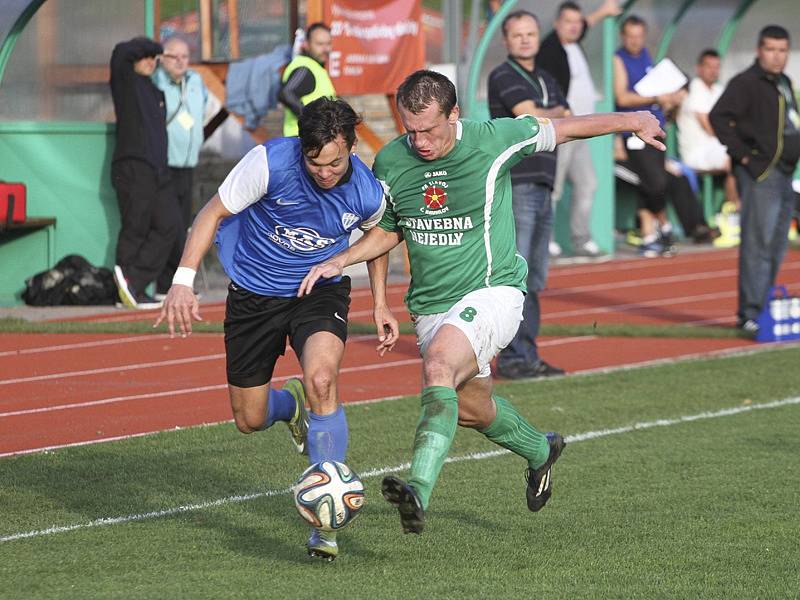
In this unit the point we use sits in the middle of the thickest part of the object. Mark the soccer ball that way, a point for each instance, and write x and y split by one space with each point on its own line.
328 495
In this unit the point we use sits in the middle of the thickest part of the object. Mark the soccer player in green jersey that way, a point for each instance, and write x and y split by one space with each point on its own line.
449 190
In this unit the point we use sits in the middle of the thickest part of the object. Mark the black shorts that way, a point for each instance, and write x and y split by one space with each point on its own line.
256 327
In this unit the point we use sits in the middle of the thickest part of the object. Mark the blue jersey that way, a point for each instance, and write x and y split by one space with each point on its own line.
283 223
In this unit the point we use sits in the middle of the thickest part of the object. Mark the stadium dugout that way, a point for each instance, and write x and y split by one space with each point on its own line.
57 120
678 29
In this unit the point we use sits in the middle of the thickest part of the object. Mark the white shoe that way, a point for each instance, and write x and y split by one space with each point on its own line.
555 249
590 249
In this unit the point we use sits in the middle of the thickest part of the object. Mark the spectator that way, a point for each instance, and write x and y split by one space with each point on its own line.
700 149
139 173
631 63
186 98
679 191
561 55
758 121
518 87
305 78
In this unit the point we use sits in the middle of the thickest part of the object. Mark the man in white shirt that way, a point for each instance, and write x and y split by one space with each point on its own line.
562 56
699 147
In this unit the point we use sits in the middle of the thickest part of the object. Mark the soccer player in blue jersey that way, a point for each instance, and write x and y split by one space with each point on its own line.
287 205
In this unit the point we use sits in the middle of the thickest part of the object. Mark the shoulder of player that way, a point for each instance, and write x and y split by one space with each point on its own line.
282 153
364 179
390 153
370 193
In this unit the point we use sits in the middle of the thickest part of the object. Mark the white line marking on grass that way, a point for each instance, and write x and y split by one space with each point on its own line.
572 439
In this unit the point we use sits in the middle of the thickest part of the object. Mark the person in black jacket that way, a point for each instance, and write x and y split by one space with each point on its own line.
758 120
149 218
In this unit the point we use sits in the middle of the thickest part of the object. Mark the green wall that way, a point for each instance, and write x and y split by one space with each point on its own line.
66 167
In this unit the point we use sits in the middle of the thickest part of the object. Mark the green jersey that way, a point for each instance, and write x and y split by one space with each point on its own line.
455 212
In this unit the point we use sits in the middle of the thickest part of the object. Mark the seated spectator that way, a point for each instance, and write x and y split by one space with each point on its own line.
631 63
679 191
699 147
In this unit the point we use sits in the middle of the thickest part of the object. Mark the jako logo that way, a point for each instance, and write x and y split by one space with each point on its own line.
301 238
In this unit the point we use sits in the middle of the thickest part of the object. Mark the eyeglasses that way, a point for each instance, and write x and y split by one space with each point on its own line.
176 56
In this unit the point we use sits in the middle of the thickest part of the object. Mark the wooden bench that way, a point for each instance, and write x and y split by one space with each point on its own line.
9 231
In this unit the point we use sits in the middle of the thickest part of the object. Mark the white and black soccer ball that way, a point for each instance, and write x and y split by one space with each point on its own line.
328 495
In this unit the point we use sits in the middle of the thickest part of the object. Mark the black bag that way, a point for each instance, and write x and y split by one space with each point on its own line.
72 282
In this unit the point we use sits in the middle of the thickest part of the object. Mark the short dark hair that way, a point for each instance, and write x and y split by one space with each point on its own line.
633 20
773 32
708 52
569 5
423 87
517 14
314 26
322 121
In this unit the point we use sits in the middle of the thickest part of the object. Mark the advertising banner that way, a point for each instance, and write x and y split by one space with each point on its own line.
376 44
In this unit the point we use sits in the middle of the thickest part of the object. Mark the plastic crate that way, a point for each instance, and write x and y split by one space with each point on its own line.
780 319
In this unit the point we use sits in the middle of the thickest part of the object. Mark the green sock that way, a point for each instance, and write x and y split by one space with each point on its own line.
435 431
511 431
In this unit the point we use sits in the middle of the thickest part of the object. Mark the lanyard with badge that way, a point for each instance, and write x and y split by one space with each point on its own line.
538 85
791 106
185 119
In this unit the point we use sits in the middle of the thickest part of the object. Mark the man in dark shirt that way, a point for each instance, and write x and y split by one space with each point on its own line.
758 120
149 218
518 87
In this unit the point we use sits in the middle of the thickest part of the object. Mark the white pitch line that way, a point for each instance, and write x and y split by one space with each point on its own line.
376 472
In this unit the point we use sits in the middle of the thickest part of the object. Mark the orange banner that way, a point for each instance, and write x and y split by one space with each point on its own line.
376 44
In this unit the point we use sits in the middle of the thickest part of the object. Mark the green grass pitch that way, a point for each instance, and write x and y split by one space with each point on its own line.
705 507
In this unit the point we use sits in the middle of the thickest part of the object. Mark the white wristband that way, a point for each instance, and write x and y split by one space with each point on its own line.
184 276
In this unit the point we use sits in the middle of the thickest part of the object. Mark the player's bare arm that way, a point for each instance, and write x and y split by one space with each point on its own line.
373 244
386 324
642 123
181 306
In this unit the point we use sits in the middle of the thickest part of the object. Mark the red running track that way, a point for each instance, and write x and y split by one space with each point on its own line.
65 389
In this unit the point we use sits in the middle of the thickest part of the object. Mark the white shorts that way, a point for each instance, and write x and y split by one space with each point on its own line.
708 157
489 317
